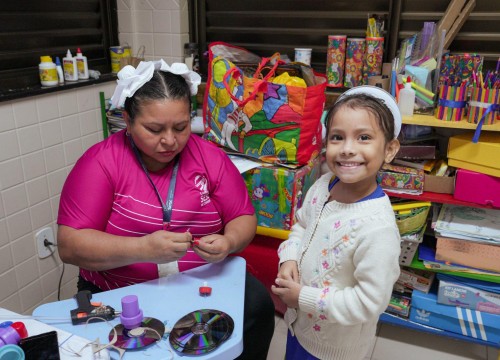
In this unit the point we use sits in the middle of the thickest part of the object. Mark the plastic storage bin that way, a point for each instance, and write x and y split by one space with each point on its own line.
411 218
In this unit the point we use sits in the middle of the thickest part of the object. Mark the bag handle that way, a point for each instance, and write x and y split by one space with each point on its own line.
257 86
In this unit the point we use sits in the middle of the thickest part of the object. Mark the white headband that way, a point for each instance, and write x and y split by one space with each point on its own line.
131 79
379 94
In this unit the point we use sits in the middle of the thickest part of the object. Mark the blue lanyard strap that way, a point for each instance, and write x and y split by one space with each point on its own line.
166 206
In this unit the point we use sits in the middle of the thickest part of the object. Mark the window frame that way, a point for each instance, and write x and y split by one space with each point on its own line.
19 74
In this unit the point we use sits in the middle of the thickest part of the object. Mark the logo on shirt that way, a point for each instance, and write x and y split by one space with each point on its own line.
201 183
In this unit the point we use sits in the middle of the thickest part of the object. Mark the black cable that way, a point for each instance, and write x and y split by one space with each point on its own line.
48 243
59 286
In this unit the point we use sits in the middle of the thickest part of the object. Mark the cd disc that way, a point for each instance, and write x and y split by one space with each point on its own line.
150 331
201 331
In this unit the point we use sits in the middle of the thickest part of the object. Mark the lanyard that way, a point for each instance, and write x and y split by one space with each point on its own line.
166 206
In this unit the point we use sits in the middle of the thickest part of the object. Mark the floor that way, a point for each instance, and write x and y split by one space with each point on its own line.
392 342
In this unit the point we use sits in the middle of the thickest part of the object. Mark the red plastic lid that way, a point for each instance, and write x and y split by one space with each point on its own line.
21 329
78 51
407 80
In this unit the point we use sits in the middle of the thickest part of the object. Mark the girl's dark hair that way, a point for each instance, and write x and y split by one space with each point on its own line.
163 85
374 106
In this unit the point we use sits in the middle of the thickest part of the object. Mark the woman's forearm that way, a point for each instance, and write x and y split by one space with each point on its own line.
97 250
241 231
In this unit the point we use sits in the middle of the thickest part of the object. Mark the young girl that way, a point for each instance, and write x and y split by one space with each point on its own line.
340 262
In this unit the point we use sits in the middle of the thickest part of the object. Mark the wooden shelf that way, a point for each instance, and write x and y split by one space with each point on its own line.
429 120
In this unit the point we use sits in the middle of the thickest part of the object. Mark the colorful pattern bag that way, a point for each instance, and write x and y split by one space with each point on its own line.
246 112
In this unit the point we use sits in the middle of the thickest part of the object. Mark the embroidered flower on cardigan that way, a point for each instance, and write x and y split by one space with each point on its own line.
345 238
337 224
316 327
323 317
324 252
314 200
325 264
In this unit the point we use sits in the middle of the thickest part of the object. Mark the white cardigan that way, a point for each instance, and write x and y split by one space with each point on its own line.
347 271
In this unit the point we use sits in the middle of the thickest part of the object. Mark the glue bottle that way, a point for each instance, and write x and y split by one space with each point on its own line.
69 66
48 71
407 99
59 69
81 63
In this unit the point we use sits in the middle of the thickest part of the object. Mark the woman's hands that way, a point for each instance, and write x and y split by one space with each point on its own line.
288 284
96 250
213 248
164 246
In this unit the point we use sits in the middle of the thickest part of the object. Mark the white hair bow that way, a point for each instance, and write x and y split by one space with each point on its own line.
131 79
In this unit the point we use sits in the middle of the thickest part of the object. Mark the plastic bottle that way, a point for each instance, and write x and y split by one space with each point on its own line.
81 63
407 99
59 69
69 66
48 71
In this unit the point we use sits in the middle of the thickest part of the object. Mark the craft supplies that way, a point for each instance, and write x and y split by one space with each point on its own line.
48 71
406 102
373 56
70 67
355 52
451 102
303 55
335 60
116 53
82 66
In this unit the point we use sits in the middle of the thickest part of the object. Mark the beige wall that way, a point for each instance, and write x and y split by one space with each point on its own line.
41 138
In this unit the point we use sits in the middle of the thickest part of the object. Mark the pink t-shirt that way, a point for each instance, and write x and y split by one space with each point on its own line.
107 190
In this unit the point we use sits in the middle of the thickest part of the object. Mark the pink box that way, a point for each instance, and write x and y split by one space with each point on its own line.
477 188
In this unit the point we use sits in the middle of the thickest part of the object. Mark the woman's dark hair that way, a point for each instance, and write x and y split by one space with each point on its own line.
163 85
374 106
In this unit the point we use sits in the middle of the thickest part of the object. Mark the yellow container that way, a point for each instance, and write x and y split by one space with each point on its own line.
118 52
411 216
482 157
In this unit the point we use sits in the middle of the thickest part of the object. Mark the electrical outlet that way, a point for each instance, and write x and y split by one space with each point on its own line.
40 237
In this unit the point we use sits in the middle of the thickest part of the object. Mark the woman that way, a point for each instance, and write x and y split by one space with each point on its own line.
146 198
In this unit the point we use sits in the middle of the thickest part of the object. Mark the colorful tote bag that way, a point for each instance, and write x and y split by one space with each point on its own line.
248 113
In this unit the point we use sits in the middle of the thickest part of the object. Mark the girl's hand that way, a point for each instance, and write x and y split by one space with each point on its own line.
288 291
289 271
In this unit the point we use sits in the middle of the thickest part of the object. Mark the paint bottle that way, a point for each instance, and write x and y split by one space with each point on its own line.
407 99
69 66
81 64
48 71
59 69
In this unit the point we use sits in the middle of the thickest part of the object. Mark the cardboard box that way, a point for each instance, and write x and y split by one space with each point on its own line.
416 279
482 157
480 325
469 294
277 192
439 184
397 178
477 188
468 253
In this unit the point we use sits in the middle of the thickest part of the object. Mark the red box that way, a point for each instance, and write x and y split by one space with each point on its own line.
477 188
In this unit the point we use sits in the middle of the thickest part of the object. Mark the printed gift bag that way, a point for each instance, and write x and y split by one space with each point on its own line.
276 121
